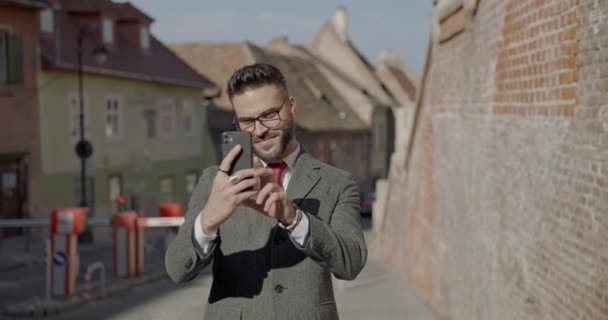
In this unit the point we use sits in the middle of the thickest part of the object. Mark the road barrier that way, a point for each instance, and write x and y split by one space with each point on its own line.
63 260
128 244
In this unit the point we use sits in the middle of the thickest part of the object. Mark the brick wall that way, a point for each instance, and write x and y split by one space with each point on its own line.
501 213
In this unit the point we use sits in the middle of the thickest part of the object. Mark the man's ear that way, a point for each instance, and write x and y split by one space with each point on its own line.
292 102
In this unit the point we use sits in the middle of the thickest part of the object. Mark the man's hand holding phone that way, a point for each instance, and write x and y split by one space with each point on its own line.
272 199
229 191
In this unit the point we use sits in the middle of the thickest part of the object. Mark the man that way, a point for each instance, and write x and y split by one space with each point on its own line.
276 232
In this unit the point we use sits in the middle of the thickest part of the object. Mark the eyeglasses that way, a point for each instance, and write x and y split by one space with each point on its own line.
270 119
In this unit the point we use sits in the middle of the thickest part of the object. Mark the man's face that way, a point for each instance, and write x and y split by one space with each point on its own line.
274 128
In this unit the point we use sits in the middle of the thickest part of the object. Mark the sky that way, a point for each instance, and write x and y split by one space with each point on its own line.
400 25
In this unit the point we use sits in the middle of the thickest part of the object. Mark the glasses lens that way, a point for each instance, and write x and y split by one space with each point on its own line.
272 123
246 125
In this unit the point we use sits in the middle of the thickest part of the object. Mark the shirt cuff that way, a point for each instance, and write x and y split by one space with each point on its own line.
300 232
205 242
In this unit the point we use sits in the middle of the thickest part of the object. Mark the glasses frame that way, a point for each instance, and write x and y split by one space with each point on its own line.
236 123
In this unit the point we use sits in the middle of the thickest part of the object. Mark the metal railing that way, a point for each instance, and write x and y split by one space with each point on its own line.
89 275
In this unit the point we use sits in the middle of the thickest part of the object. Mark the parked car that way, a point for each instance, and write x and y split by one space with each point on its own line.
366 202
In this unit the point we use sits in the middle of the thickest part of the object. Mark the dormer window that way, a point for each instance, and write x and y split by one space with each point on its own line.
144 37
47 20
108 30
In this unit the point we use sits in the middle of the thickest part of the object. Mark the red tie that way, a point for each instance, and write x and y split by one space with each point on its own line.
277 169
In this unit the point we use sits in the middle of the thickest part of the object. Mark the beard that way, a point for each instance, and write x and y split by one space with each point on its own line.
275 152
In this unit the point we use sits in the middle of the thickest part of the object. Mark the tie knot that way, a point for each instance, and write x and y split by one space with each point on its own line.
277 169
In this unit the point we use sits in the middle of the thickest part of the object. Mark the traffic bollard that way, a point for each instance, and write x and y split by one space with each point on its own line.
62 259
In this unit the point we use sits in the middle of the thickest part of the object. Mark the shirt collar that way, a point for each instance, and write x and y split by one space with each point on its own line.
290 159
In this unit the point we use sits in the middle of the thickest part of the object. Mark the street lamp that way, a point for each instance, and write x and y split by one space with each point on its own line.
84 148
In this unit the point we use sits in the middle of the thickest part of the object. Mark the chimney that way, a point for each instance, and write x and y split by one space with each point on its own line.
341 22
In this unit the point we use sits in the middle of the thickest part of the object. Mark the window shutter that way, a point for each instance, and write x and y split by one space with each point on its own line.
15 59
3 58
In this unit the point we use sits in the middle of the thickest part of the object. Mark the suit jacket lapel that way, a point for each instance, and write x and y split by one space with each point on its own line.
304 177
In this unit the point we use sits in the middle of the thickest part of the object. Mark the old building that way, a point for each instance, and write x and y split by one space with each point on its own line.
402 83
351 73
144 110
326 125
501 212
20 159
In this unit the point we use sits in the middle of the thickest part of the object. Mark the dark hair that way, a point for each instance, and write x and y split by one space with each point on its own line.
255 76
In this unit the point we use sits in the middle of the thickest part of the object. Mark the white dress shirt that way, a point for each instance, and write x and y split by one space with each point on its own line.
298 234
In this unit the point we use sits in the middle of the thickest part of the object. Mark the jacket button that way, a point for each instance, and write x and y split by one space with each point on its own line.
279 289
189 263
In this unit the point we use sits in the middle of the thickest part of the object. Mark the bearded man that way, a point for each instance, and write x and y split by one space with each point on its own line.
277 232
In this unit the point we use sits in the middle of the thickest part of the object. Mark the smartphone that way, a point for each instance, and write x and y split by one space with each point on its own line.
245 159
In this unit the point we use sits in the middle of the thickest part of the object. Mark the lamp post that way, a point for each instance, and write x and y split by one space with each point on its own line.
84 148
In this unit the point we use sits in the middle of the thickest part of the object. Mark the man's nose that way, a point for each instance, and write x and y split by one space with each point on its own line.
260 129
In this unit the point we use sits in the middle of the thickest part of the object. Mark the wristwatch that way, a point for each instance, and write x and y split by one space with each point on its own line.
295 222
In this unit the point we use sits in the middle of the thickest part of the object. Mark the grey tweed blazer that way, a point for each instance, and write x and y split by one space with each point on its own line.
258 271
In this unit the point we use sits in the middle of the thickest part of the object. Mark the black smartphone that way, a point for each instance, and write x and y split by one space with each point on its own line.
245 159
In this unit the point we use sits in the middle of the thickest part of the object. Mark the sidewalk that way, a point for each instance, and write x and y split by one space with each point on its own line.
378 294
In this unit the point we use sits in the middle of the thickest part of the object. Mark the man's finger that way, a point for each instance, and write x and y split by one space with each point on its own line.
274 197
243 196
243 185
252 172
229 158
264 193
257 163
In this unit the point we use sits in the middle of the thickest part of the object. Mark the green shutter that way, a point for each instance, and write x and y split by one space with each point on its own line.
3 58
15 59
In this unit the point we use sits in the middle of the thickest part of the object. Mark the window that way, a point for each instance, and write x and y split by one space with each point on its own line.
90 191
167 119
108 30
74 106
144 37
114 191
150 118
191 180
167 188
113 123
46 20
188 118
11 59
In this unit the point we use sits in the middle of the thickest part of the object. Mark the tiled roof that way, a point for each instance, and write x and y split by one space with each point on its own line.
29 4
217 61
403 80
125 58
358 98
347 58
127 12
319 106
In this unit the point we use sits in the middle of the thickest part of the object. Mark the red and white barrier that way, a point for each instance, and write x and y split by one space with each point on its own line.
170 210
128 244
160 222
62 259
128 233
